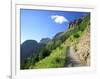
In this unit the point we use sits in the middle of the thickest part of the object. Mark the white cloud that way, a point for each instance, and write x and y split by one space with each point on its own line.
59 19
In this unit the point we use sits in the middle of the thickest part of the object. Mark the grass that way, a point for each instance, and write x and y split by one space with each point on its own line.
56 59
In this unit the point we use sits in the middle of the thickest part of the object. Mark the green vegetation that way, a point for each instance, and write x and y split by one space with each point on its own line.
54 53
56 59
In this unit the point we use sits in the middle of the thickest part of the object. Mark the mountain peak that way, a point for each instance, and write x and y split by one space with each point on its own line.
45 40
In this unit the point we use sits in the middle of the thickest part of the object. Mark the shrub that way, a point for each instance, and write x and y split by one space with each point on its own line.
57 60
76 35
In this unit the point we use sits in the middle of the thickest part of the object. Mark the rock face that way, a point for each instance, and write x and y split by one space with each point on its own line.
79 52
75 22
83 48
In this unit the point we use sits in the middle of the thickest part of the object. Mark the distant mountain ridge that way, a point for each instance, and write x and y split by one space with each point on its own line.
30 47
45 40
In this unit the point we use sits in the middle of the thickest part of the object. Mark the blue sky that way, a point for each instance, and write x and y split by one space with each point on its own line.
38 24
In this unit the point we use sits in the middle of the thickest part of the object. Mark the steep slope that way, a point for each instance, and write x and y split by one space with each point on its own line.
83 47
79 51
73 49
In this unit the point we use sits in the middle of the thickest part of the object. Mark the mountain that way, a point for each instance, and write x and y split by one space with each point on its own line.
73 49
28 48
70 48
58 35
45 40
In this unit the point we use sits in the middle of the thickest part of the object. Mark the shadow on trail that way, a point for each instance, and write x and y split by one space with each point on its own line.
72 58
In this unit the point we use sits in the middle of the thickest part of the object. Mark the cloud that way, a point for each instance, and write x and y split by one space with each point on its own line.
59 19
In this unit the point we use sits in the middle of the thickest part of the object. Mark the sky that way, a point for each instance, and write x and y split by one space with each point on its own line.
38 24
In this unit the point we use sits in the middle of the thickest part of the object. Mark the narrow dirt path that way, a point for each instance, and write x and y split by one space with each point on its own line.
73 60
